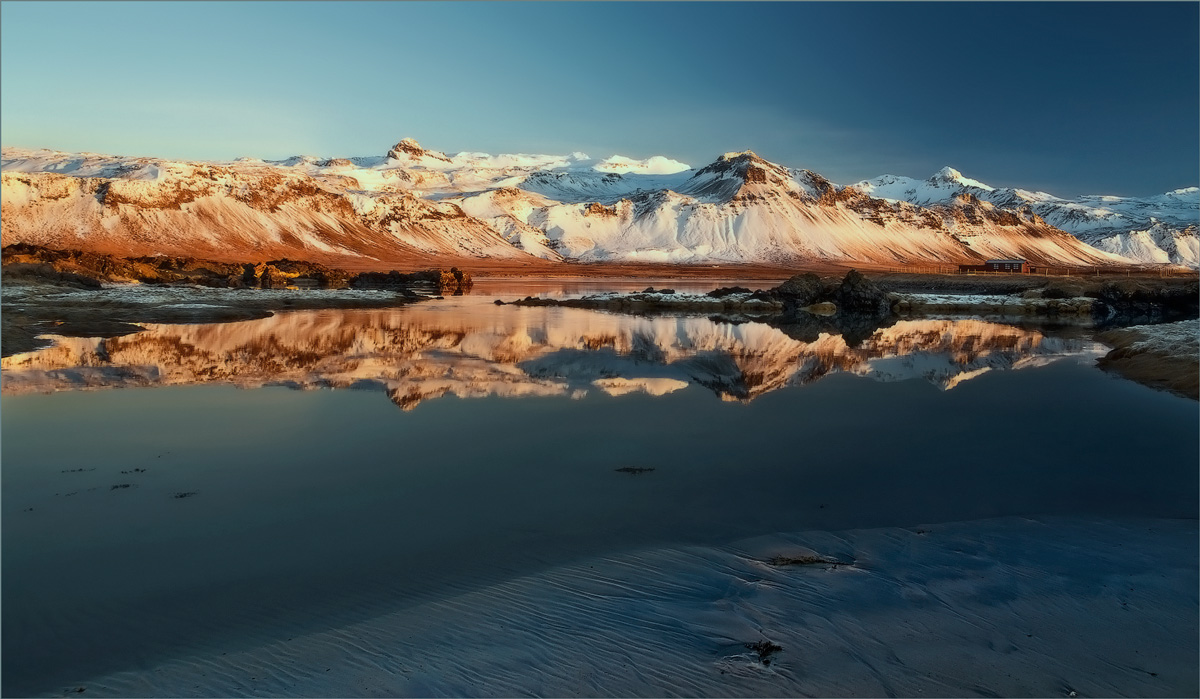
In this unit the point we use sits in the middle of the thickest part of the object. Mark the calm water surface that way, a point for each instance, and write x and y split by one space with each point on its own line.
442 447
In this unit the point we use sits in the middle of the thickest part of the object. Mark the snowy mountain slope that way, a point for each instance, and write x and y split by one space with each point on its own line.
417 203
941 188
1160 242
742 208
1158 229
508 211
585 186
238 213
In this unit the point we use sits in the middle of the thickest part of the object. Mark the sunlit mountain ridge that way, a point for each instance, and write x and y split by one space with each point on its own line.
414 205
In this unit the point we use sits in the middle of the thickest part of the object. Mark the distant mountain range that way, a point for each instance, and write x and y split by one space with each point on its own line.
414 205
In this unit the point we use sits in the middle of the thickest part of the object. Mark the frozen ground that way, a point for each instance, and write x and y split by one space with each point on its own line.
1180 339
1003 607
1166 355
191 296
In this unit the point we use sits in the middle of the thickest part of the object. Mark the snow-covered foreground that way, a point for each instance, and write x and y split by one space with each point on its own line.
1002 607
1166 355
1181 339
415 204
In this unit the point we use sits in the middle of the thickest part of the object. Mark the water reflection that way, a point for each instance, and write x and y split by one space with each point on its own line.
473 350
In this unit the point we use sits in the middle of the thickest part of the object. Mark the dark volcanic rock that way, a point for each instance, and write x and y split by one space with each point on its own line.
1058 289
269 276
46 274
862 308
764 649
323 277
1126 301
858 294
802 290
453 280
66 267
727 291
159 269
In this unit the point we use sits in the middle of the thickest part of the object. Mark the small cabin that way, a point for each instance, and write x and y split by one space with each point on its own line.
1013 266
1009 266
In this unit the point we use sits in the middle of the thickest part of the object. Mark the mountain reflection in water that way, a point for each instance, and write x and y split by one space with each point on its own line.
473 350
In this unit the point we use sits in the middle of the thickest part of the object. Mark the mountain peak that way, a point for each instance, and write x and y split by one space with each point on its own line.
655 165
739 155
409 148
737 174
948 174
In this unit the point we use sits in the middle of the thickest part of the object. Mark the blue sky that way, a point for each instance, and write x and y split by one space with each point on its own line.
1071 98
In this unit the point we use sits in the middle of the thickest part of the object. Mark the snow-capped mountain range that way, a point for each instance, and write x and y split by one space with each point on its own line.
1160 228
414 205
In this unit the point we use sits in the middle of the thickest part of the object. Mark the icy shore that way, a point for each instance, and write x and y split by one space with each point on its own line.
1166 355
1010 607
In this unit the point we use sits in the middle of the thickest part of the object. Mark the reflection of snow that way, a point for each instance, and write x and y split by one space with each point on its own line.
655 387
422 352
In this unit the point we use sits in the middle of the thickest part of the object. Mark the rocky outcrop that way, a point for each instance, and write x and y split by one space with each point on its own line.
667 301
34 264
1074 310
409 148
21 259
857 294
300 272
803 290
1147 300
24 262
856 303
598 209
854 294
454 280
854 308
35 273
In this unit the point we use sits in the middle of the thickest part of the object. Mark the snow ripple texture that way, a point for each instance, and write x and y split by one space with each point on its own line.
991 607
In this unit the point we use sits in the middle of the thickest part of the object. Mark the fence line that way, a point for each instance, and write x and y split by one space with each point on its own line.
1047 271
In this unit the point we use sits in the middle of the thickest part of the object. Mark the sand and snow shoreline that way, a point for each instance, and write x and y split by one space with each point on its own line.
1165 356
1010 607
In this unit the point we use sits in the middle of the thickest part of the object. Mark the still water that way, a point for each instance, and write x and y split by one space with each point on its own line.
200 487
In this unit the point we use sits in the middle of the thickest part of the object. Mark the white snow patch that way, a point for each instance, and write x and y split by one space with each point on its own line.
654 386
656 165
